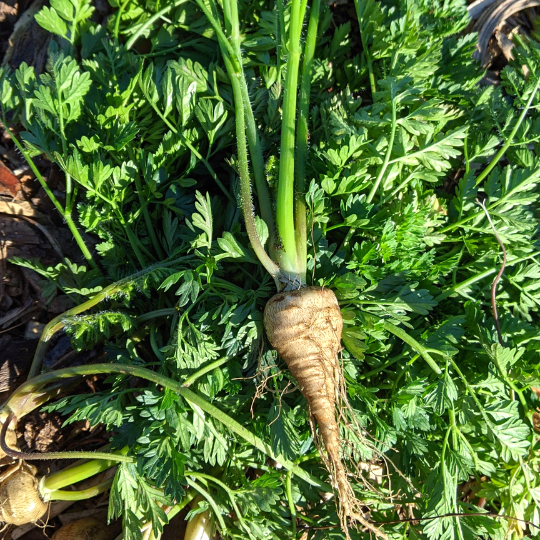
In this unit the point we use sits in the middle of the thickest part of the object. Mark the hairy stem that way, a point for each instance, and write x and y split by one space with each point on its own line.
245 182
254 143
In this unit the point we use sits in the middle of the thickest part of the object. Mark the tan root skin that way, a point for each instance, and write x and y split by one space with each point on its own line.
83 529
20 502
304 326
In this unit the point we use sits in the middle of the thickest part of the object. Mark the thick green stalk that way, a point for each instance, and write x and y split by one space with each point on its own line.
254 143
245 183
190 495
80 494
234 69
77 473
67 477
160 380
292 507
302 142
285 195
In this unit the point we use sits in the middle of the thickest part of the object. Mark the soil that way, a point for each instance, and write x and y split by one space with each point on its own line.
30 228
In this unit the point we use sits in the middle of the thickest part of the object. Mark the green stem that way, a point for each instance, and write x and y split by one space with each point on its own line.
468 445
80 242
365 49
153 343
254 143
478 277
165 312
190 495
384 166
420 349
469 390
72 475
235 72
147 220
505 146
249 437
505 376
211 502
302 141
230 494
149 22
292 508
203 371
285 192
400 187
67 216
166 382
384 366
223 41
195 152
245 183
57 323
80 495
119 14
69 188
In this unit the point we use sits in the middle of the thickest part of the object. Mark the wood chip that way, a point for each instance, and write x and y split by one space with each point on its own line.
22 208
9 183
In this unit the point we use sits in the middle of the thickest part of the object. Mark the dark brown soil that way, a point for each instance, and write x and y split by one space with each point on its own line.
30 228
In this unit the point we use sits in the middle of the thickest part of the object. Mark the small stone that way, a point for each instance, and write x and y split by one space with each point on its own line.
33 330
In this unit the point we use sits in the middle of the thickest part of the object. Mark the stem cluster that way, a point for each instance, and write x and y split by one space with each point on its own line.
285 255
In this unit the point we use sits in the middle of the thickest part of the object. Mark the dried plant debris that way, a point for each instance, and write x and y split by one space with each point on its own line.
497 21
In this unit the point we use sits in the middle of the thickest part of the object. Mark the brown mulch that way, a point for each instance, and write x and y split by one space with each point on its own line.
30 228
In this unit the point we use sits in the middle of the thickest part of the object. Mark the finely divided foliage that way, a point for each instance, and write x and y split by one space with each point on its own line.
404 142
